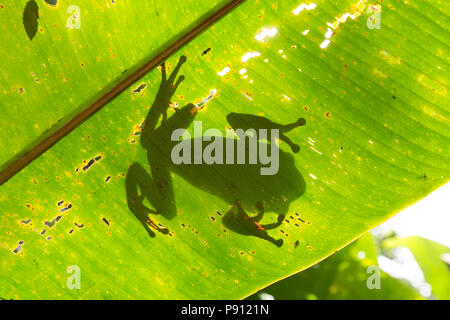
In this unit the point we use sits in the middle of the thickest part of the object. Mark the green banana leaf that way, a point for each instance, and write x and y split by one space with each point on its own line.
363 114
58 57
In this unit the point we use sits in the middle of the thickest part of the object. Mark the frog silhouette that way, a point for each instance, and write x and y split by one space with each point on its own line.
240 185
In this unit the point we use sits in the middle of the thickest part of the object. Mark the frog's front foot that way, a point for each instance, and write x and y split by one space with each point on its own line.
295 148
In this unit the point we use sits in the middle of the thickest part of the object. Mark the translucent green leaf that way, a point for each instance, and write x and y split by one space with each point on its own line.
372 141
57 58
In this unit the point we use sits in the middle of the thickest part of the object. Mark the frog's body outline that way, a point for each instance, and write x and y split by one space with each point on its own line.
158 188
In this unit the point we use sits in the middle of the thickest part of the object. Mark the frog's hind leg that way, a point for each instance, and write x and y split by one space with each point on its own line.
275 224
138 179
261 229
155 226
260 215
242 223
277 242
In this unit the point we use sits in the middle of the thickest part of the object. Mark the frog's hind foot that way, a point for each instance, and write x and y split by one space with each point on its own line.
278 242
157 227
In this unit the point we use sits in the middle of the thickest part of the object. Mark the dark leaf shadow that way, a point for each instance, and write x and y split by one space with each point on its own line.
30 18
52 3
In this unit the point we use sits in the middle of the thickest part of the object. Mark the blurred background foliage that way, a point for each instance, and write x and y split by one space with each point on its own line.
410 268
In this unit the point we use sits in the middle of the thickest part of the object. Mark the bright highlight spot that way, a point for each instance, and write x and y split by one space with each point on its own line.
411 222
325 44
247 96
266 296
250 55
205 100
304 6
361 255
265 32
315 150
224 71
359 7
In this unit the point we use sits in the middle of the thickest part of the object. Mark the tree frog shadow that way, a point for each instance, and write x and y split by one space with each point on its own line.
240 185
